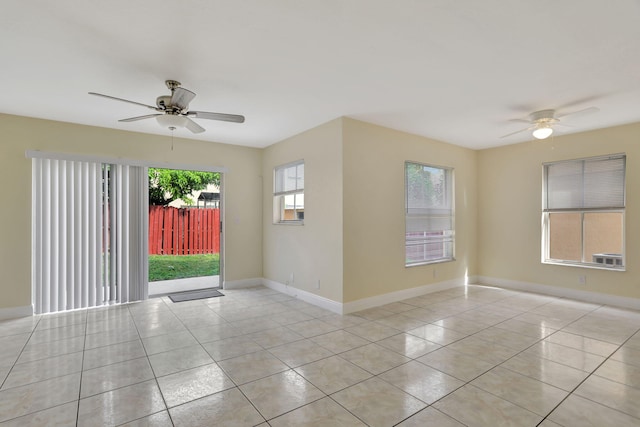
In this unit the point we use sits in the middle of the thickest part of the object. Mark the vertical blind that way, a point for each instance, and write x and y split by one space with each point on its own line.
595 183
88 234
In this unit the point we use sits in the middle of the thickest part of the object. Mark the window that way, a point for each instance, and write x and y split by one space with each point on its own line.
429 230
583 212
288 193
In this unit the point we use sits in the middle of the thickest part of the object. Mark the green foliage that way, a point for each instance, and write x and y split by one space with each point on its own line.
419 186
425 186
169 267
167 185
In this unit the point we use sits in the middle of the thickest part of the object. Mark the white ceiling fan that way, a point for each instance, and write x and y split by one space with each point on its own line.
173 110
542 122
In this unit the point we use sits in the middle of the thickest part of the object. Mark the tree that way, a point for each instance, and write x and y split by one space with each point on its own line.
167 185
419 185
426 186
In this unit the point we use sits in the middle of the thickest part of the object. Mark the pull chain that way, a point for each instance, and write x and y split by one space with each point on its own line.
172 128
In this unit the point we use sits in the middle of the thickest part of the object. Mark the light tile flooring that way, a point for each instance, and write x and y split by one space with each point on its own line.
475 356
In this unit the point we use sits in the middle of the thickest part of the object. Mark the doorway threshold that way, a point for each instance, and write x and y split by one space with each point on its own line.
165 287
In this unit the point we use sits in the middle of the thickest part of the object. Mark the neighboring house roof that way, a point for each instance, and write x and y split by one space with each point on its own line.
211 189
207 196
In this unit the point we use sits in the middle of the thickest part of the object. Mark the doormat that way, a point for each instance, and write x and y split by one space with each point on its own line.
194 295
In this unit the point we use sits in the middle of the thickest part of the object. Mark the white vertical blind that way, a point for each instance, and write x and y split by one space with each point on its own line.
128 231
138 232
88 241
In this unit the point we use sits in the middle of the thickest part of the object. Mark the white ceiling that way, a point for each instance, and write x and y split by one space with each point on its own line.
456 71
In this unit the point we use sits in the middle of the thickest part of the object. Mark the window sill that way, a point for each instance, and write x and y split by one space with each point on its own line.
289 223
439 261
581 265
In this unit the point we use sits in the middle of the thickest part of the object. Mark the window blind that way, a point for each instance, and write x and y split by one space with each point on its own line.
587 183
88 229
289 179
429 222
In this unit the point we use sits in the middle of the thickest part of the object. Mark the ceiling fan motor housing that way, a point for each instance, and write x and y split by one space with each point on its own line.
543 115
163 101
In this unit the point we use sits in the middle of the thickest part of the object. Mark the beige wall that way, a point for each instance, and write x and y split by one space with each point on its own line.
510 206
312 251
352 239
374 218
353 233
243 190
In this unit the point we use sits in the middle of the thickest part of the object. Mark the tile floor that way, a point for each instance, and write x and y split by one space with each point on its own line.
478 356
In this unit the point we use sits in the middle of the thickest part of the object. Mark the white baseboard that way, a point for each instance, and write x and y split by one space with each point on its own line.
242 283
588 296
472 280
378 300
14 312
311 298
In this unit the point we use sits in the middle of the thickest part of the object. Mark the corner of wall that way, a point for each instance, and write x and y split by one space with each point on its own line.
374 218
308 257
510 208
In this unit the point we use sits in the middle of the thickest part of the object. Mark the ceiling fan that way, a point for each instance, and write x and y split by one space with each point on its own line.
543 122
173 110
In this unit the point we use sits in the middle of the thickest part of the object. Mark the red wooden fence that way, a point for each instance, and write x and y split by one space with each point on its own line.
179 231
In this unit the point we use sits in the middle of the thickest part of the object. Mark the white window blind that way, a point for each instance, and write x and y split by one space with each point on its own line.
289 179
429 231
88 234
596 183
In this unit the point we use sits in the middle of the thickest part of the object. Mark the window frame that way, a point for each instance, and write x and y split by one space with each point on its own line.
546 212
279 196
450 189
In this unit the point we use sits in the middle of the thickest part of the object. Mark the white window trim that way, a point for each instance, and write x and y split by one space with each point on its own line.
545 249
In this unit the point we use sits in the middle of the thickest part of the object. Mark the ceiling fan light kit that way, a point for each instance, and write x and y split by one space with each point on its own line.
542 132
542 122
171 120
173 110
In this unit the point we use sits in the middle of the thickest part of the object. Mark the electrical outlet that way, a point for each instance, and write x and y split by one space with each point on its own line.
318 284
582 280
290 278
435 273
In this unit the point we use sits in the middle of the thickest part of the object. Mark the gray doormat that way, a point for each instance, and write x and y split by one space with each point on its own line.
193 295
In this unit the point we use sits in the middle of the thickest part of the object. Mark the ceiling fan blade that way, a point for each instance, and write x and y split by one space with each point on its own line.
193 126
589 110
125 100
520 121
518 131
134 119
217 116
181 97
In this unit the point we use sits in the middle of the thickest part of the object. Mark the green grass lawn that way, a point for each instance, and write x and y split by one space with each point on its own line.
168 267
